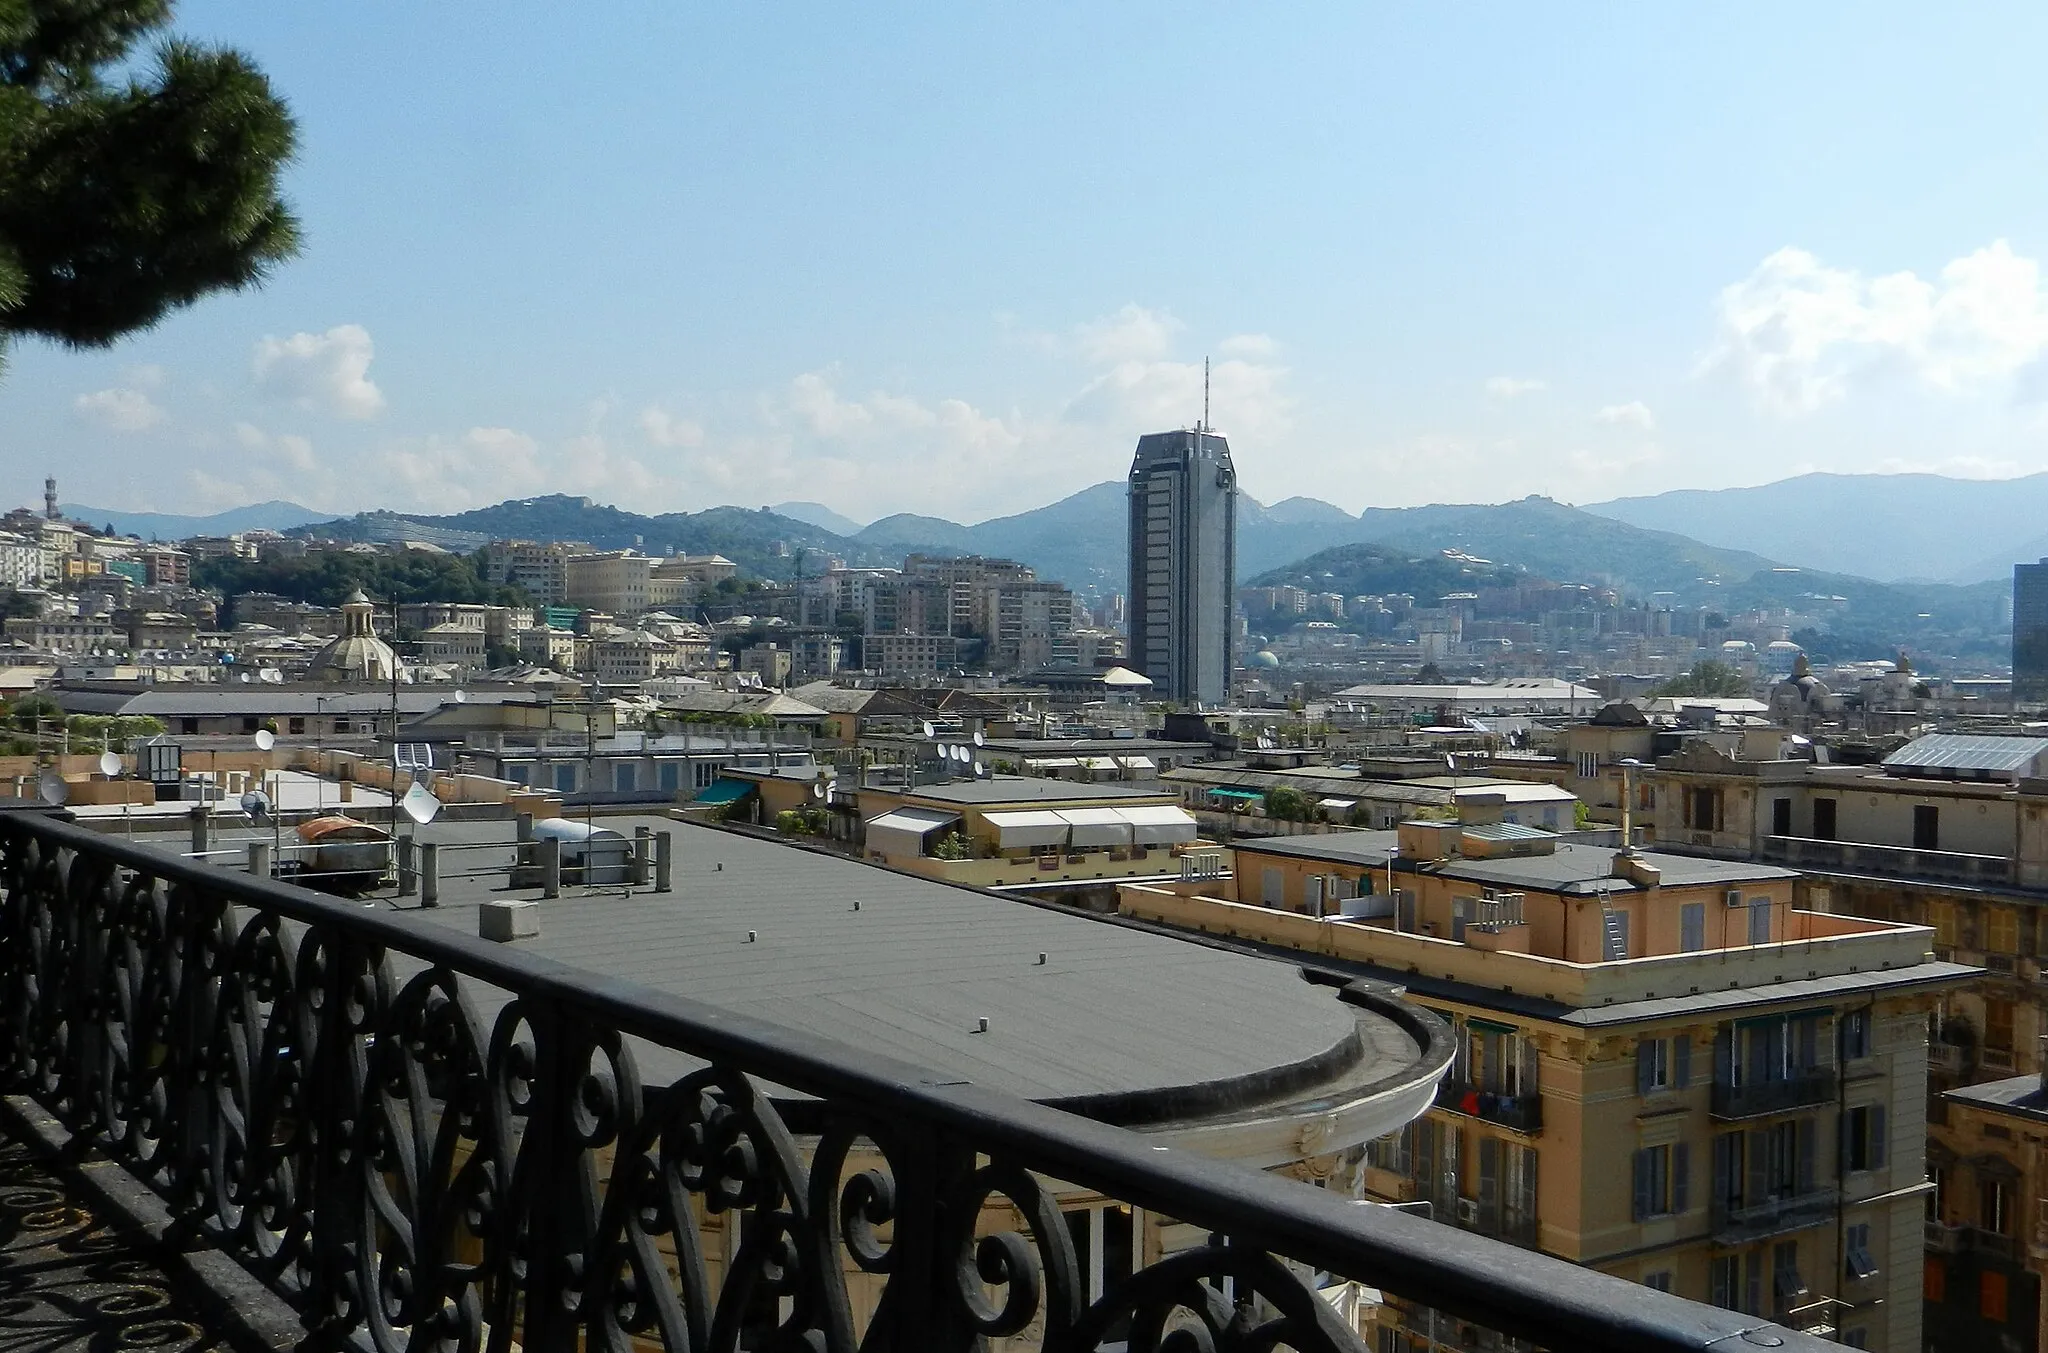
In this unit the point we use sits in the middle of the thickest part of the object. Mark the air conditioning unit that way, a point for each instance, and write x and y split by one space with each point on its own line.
1734 897
1468 1212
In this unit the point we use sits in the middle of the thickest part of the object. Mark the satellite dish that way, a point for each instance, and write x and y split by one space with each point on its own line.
929 731
461 696
980 739
51 789
246 678
256 805
265 739
818 789
273 676
110 764
420 804
981 770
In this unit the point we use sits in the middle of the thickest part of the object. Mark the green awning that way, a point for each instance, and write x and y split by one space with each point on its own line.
1251 794
726 791
1488 1026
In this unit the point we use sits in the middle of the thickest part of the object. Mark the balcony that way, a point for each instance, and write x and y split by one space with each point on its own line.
1521 1113
1947 1058
1741 1223
411 1137
1900 862
1755 1099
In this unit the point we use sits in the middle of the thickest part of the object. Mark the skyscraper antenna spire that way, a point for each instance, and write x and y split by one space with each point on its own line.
1205 395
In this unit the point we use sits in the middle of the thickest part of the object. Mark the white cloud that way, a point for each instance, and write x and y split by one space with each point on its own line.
483 465
1513 387
663 428
328 373
1246 399
119 410
1635 414
1248 345
1802 334
1132 334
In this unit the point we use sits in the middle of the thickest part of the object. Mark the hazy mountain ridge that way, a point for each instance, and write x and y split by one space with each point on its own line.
1890 527
276 515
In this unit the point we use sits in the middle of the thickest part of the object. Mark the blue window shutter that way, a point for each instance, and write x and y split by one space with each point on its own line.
1681 1061
1848 1134
1724 1056
1646 1065
1876 1135
1681 1175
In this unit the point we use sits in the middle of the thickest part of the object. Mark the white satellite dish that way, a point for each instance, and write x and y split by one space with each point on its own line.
256 805
110 764
981 770
273 676
461 696
246 678
265 739
818 789
420 804
929 731
980 739
51 789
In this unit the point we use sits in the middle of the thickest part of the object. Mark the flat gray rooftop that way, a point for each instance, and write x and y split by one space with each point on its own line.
1025 789
1115 1010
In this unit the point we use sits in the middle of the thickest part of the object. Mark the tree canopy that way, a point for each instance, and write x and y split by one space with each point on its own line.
326 577
1707 677
129 188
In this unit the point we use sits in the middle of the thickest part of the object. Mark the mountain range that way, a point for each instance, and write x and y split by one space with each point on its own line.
1893 527
1079 540
276 515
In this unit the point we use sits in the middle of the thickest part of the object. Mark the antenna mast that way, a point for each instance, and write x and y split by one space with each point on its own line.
1205 395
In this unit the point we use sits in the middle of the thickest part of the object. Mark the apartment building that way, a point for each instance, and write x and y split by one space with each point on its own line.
1666 1069
21 562
539 567
166 566
1987 1228
612 581
64 634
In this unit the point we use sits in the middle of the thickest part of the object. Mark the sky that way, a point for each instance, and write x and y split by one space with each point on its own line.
954 259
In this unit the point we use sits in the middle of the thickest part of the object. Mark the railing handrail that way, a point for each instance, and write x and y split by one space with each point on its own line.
1517 1291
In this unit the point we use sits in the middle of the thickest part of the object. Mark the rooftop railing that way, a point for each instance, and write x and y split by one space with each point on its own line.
1856 857
1753 1099
420 1139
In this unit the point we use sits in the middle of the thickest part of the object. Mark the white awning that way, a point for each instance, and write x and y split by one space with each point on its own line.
1029 829
1337 805
1098 763
1050 763
1159 824
1097 826
1137 763
901 831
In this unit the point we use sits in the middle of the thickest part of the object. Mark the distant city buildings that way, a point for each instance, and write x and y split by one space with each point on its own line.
1183 549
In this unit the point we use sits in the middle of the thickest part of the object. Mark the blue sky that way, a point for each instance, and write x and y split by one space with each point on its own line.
954 259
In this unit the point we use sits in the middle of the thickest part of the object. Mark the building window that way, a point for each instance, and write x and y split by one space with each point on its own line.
188 725
1692 927
1855 1035
1934 1280
2001 930
1781 817
1942 916
1589 765
1856 1338
1660 1180
1926 827
1857 1261
1703 809
1824 819
1395 1151
1991 1296
249 723
1659 1281
1993 1203
1998 1028
671 775
1863 1137
1759 920
298 723
1663 1064
1786 1284
565 778
1272 887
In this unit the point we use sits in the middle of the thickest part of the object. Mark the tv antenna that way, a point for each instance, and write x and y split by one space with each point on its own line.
1205 397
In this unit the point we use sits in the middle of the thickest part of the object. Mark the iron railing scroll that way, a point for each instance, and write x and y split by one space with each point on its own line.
425 1141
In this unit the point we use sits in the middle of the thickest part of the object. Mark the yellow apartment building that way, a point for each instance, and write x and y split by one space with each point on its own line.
1987 1224
1665 1069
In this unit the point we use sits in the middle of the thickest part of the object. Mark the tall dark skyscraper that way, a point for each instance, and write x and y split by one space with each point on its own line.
1183 500
2030 631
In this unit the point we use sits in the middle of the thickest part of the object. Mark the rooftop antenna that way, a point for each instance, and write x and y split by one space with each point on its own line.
1205 396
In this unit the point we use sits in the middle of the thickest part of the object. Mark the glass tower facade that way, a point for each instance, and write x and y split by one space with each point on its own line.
1183 542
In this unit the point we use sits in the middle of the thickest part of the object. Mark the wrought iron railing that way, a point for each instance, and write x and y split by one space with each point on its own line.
313 1085
1735 1223
1523 1113
1801 1089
